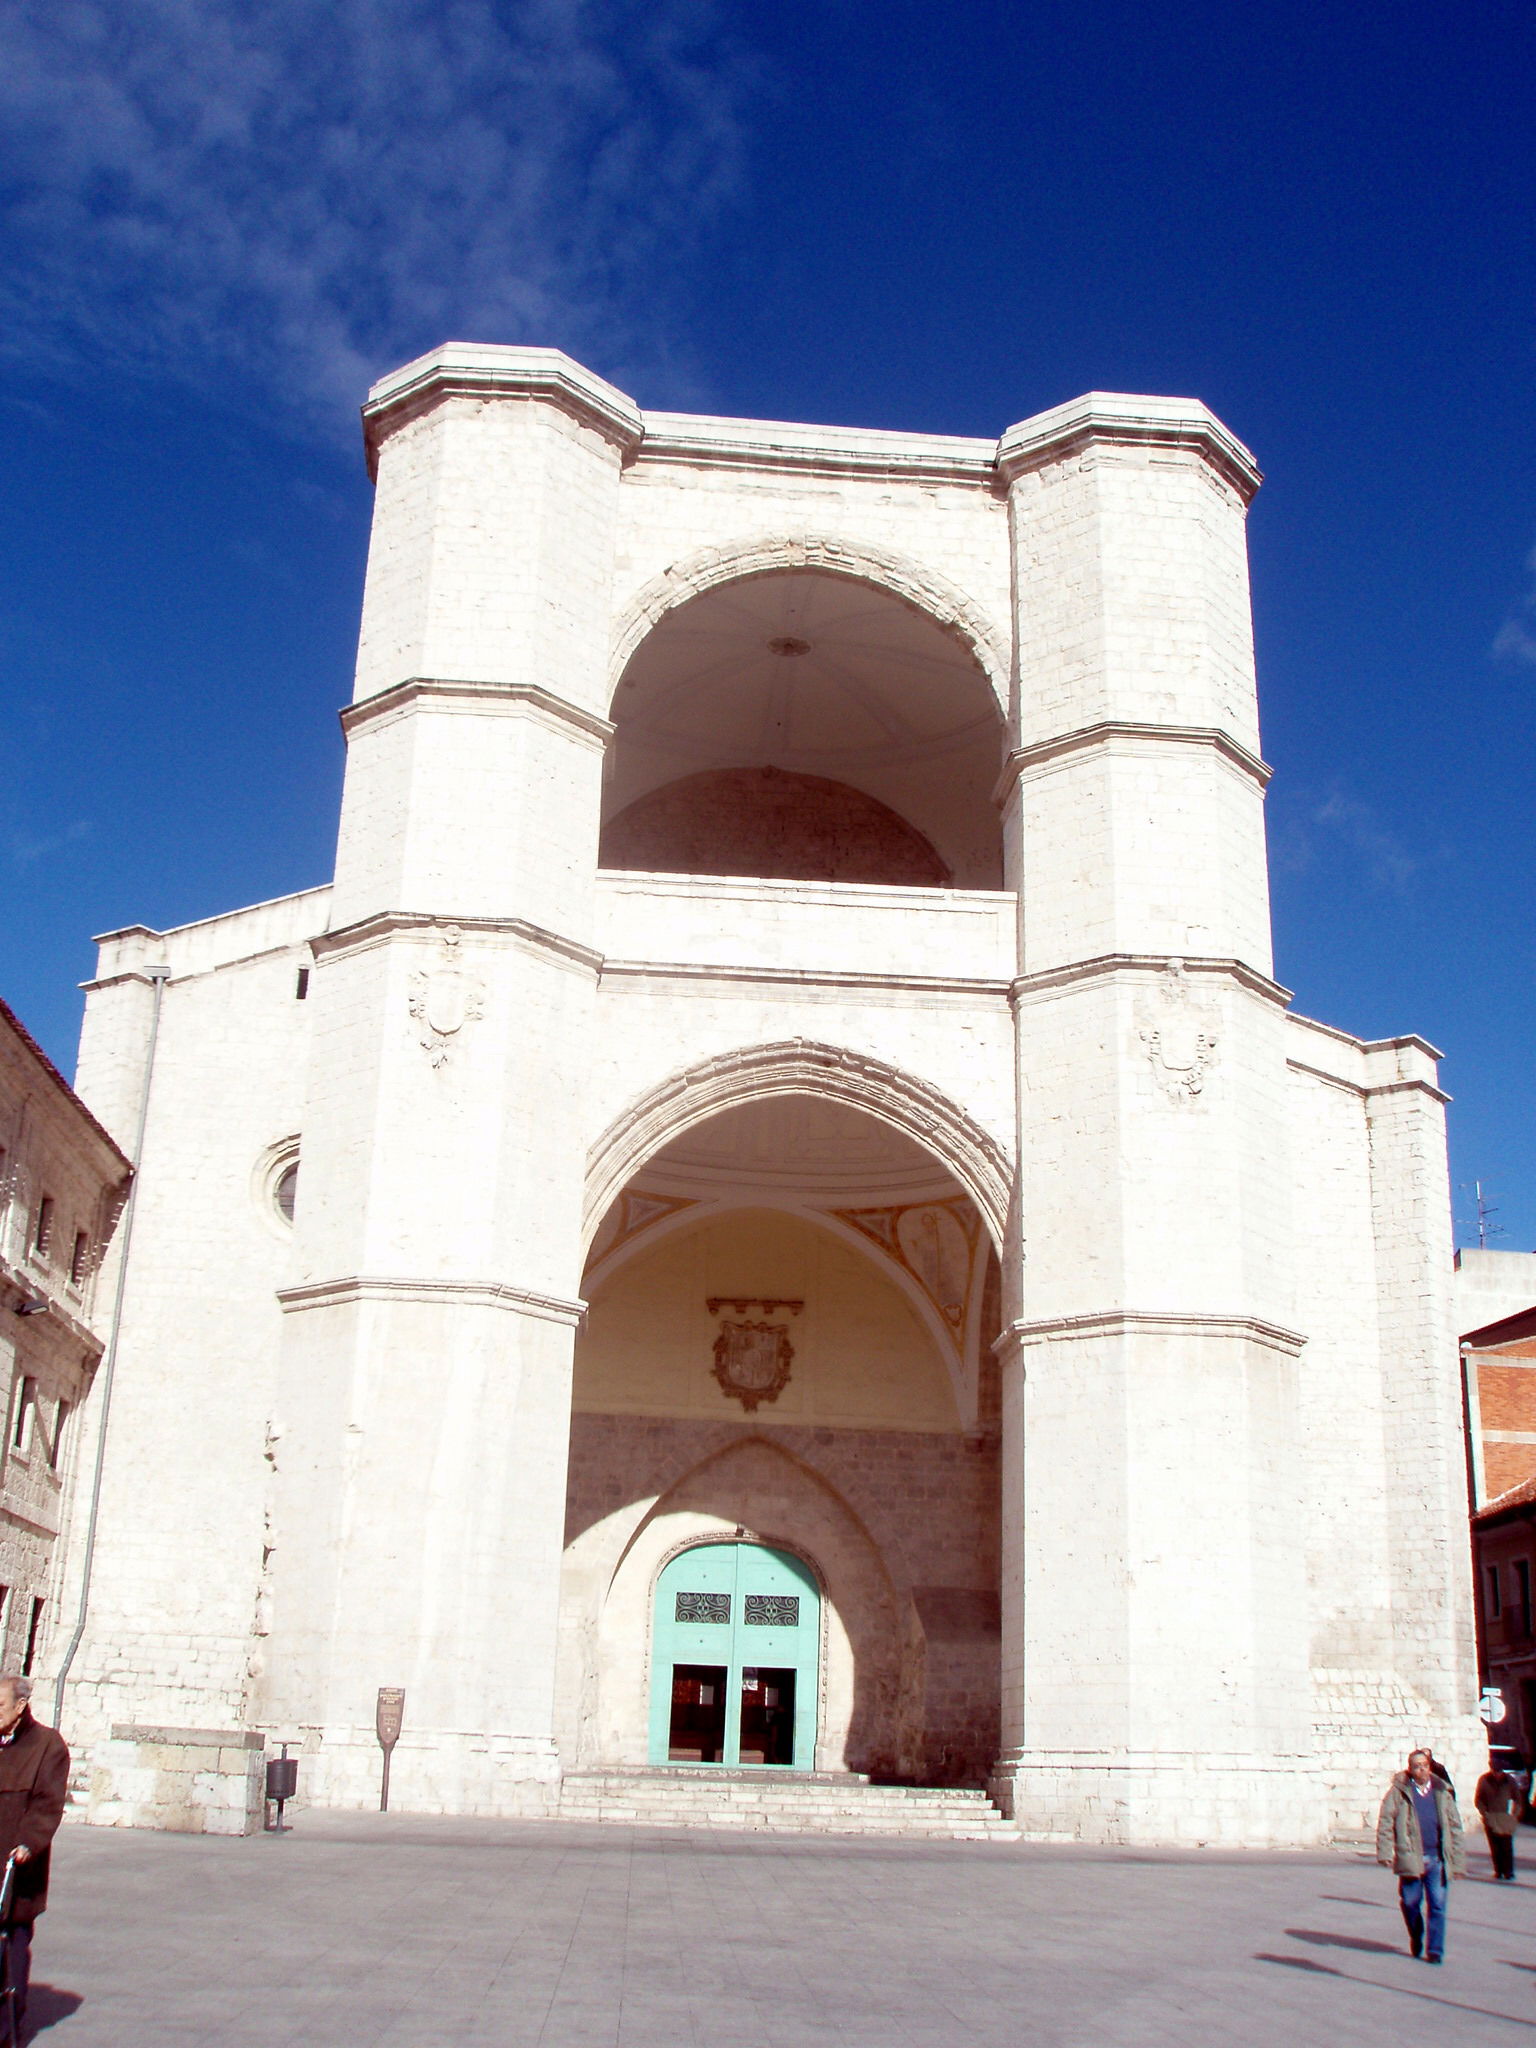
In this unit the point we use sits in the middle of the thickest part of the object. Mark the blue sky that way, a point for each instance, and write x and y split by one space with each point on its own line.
219 221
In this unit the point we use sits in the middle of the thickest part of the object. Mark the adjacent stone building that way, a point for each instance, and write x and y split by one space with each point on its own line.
62 1185
774 1212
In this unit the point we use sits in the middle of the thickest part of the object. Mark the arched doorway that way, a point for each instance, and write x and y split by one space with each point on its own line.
811 1232
735 1658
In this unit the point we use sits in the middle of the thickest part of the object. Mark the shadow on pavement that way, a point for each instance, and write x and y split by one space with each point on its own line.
1357 1941
1306 1963
47 2005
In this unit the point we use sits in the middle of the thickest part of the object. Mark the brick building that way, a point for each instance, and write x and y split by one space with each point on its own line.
1499 1368
774 1212
1499 1364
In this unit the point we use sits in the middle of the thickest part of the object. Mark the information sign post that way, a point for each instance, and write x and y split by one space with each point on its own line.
388 1719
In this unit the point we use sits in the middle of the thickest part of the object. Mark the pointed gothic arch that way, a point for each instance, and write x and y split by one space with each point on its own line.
802 1066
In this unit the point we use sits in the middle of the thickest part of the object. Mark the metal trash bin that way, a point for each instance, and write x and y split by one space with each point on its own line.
282 1783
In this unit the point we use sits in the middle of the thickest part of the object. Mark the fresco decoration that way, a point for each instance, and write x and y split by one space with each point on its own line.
632 1212
938 1243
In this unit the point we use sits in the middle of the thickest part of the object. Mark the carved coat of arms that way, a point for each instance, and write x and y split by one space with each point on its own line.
1180 1033
446 997
752 1358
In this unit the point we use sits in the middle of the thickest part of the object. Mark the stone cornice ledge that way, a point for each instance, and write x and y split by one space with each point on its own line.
973 988
354 1287
1130 1322
59 1321
373 931
1132 421
467 369
468 695
1104 965
703 441
1106 730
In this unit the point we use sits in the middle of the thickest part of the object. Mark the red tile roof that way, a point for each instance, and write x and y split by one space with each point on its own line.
1523 1495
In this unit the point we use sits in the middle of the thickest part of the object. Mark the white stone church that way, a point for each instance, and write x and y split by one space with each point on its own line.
774 1218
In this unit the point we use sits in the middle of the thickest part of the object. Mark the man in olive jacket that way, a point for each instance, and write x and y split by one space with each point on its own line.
1419 1837
34 1784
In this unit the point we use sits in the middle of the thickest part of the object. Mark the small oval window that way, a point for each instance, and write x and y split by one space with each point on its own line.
285 1193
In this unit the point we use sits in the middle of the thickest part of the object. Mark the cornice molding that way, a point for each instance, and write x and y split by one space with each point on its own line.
33 1527
356 1287
971 988
462 694
1126 419
1108 730
462 369
388 924
704 442
1151 1323
58 1323
1372 1090
1106 966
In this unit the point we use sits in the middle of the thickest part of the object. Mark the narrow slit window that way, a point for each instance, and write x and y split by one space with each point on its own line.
301 986
1491 1580
42 1237
78 1258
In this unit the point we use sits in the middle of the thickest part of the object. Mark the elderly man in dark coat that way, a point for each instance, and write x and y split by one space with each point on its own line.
34 1783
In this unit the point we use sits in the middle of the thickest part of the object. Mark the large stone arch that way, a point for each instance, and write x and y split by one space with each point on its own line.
801 1066
912 582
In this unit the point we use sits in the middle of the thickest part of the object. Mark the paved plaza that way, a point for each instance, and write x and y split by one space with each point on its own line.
366 1929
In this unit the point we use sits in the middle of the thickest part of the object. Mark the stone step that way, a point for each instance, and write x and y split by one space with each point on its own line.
714 1785
794 1803
911 1830
830 1803
898 1809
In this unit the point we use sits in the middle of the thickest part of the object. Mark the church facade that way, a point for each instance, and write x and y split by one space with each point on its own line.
774 1214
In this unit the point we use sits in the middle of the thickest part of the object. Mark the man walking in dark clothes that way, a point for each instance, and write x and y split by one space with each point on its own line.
34 1783
1419 1837
1498 1801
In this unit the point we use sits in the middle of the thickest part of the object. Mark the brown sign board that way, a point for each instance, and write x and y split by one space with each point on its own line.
390 1714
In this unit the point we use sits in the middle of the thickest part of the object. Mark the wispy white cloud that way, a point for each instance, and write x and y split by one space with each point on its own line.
25 849
305 192
1343 830
1516 639
1384 855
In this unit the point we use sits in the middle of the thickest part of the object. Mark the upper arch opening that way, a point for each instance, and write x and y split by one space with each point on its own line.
801 725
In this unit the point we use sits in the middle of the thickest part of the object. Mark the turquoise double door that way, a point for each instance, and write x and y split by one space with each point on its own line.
735 1651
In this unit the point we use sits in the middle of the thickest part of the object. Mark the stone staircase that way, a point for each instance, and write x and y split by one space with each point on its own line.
781 1803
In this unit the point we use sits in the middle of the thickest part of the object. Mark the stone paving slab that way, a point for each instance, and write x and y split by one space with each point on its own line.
398 1932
